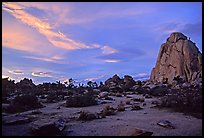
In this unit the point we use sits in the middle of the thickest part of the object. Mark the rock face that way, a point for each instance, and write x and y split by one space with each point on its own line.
177 57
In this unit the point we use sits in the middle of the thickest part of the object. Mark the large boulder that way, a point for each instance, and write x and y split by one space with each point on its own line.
177 57
129 81
115 80
46 127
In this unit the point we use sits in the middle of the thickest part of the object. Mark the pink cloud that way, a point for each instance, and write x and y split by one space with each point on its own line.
56 38
108 50
111 60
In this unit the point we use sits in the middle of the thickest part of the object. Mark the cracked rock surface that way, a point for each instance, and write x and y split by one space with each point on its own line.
179 56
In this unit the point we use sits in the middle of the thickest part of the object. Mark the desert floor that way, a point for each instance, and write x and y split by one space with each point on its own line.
119 124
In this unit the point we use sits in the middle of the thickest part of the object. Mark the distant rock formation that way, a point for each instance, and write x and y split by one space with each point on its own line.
124 84
179 56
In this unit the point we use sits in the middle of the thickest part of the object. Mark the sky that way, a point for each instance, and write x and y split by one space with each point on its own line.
91 41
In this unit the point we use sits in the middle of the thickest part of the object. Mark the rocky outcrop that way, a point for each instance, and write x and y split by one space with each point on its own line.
179 56
116 84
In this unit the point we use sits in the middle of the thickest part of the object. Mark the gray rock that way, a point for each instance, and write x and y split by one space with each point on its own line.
177 57
15 120
103 94
125 131
47 127
166 124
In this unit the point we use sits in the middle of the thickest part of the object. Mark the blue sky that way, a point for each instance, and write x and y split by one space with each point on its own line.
91 40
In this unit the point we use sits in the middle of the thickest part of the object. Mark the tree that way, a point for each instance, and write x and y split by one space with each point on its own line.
89 83
101 84
71 83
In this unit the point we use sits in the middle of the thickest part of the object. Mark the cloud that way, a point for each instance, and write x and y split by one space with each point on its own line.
112 60
16 72
17 37
56 38
141 76
94 78
54 59
108 50
4 76
41 74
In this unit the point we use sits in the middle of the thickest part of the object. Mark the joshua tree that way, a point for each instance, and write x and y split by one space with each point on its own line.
89 83
71 83
92 84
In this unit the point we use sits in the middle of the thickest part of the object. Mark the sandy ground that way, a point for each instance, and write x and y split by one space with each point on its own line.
145 119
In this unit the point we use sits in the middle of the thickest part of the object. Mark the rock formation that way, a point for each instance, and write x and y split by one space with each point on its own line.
179 56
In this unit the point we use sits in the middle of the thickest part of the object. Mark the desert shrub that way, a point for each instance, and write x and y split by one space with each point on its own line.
84 100
118 95
24 103
107 111
108 98
121 107
142 90
136 107
159 91
52 97
87 116
128 102
187 101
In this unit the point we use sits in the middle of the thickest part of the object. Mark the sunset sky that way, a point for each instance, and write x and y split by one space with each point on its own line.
91 41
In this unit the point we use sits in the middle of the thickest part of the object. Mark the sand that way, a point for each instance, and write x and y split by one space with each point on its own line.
145 119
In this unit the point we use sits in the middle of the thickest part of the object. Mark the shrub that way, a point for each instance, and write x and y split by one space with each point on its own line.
128 102
107 111
51 97
121 107
87 116
84 100
24 103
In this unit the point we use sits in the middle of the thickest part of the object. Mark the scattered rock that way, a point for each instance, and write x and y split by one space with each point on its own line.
136 107
125 131
46 127
107 111
138 99
15 120
108 98
87 116
118 95
128 102
121 107
148 96
103 94
166 124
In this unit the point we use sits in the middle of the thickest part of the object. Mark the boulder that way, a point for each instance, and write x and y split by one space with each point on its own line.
103 94
15 120
115 80
177 57
126 131
47 127
166 124
87 116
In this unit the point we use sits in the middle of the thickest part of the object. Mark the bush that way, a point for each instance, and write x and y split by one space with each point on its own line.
24 103
87 116
87 99
186 101
107 111
52 97
121 107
